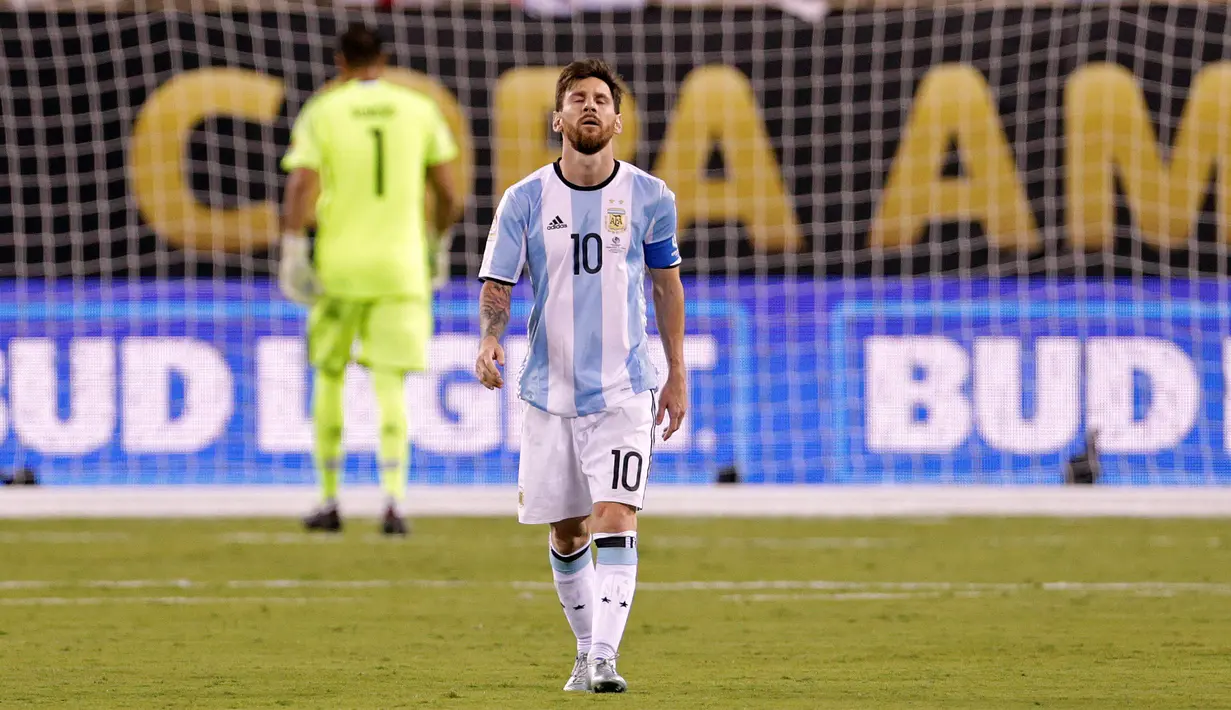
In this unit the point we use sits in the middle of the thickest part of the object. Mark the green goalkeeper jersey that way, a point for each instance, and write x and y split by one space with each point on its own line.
371 142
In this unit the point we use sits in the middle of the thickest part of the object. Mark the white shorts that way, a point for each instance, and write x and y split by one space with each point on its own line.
570 463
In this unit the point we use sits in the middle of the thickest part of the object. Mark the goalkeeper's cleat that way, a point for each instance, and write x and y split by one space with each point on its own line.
325 519
393 524
604 679
579 679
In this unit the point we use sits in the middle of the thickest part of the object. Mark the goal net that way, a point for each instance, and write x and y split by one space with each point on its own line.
923 242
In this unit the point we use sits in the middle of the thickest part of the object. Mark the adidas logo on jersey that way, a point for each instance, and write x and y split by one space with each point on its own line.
557 223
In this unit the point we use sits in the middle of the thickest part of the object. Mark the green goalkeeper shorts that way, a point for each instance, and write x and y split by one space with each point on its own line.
391 333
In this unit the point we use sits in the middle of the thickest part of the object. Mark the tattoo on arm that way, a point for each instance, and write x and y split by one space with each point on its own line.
494 307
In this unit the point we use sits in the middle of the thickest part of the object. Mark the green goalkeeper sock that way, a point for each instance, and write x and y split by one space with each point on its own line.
327 418
391 397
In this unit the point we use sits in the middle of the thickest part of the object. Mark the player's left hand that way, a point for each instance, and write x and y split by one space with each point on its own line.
673 402
485 367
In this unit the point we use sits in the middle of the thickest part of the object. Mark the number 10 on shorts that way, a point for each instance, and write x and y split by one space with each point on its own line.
621 469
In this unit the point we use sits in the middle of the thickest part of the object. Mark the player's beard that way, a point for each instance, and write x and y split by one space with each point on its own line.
589 143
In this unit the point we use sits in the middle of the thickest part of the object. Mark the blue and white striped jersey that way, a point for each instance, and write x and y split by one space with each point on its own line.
586 250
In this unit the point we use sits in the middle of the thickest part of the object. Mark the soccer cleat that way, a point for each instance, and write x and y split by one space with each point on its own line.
579 680
393 524
604 679
324 519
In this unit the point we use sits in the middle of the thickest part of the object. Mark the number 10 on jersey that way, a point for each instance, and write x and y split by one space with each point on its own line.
587 253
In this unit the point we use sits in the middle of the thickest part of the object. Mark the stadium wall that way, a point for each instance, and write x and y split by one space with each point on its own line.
923 208
887 382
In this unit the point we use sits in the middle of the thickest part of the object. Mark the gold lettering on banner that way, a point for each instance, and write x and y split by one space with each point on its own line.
954 105
523 101
716 107
1110 134
158 159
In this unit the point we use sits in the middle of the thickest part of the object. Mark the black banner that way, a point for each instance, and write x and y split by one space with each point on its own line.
1004 142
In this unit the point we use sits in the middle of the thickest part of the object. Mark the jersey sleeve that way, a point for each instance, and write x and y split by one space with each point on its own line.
505 254
662 249
441 147
305 151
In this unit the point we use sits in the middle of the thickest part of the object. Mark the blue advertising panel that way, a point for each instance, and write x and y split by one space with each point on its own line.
166 383
790 381
953 384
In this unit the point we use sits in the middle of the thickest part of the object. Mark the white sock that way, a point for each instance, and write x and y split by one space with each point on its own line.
574 578
616 570
391 503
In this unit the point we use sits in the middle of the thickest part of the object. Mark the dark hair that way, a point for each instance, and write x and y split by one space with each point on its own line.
588 69
359 46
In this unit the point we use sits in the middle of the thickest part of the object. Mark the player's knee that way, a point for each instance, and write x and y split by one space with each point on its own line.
569 536
613 517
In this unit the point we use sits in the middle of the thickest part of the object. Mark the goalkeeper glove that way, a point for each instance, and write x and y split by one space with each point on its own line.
296 277
438 260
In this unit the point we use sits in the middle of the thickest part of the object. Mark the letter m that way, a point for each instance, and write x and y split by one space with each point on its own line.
1110 133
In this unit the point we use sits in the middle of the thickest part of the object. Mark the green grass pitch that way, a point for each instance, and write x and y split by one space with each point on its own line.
964 613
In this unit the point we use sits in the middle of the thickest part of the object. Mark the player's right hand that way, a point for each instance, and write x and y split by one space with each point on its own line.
490 355
296 277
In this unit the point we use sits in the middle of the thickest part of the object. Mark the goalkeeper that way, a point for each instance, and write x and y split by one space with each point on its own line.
361 155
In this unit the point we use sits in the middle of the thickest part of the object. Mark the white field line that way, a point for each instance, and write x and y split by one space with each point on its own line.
62 538
19 584
743 501
830 587
775 543
171 601
351 583
141 584
698 541
285 538
863 596
26 584
679 541
835 597
658 541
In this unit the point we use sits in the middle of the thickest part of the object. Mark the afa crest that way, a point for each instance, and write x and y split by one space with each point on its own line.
616 220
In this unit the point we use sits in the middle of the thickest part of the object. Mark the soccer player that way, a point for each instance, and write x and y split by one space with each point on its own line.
587 227
367 147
